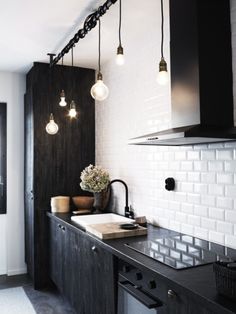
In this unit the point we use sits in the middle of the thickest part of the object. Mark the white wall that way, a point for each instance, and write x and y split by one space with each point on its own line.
204 202
12 89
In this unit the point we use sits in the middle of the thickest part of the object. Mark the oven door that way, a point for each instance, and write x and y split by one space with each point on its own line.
132 300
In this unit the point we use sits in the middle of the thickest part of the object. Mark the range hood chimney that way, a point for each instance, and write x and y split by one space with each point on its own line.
201 75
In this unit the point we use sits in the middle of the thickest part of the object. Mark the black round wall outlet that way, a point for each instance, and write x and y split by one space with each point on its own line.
170 184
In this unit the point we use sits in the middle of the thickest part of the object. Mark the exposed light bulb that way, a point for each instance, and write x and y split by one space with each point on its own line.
99 90
63 102
72 111
120 59
163 76
52 128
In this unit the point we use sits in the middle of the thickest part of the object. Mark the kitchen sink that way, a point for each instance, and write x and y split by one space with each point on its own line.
87 220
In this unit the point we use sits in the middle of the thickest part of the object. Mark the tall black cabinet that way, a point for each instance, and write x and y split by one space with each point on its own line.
53 162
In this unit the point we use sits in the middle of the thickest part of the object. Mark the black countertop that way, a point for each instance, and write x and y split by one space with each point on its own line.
197 282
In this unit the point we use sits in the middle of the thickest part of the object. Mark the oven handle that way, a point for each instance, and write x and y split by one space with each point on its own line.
142 297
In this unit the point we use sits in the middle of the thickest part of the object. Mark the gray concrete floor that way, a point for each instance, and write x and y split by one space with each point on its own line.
47 301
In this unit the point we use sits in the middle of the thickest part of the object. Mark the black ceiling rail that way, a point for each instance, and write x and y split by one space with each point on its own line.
89 23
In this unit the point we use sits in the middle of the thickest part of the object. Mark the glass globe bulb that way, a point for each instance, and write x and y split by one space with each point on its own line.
52 128
63 102
99 91
120 59
72 113
162 77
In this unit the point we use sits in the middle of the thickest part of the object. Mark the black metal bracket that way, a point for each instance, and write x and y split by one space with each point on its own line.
89 23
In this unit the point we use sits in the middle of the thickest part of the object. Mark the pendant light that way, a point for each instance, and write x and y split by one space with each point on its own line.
72 111
51 128
162 77
120 60
99 90
62 102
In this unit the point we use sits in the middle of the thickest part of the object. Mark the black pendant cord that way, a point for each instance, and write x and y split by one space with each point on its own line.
120 23
162 30
89 23
72 56
99 46
51 55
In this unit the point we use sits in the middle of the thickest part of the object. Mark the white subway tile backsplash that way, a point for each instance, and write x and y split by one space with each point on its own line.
193 176
216 237
230 166
208 223
194 220
201 211
186 165
230 240
188 229
193 155
217 213
216 189
230 215
215 166
225 178
201 233
224 202
208 200
204 201
208 154
207 177
224 154
230 191
224 227
187 208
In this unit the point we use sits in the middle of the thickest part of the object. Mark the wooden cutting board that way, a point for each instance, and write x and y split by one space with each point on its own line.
113 231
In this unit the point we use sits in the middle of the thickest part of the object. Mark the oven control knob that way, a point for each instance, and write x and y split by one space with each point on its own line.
152 284
126 268
139 276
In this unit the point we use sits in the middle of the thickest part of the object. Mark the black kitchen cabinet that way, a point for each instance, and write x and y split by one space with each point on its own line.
82 270
53 163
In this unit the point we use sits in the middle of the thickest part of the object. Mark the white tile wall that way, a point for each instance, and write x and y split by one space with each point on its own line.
204 202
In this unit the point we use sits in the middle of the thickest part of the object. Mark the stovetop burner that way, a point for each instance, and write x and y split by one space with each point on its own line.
178 251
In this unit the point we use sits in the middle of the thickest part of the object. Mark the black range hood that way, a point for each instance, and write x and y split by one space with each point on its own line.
201 75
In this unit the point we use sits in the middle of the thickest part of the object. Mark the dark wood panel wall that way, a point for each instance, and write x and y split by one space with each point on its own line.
3 158
53 163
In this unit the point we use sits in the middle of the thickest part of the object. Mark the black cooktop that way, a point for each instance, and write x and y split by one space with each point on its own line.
179 251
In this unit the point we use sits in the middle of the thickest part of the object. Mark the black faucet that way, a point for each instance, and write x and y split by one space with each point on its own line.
128 212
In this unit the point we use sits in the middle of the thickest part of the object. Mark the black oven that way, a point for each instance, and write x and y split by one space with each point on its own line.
138 292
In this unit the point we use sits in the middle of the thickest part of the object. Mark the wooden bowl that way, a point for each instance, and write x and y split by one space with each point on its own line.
83 202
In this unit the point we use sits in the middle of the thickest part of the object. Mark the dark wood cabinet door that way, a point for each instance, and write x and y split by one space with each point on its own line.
57 253
82 270
98 278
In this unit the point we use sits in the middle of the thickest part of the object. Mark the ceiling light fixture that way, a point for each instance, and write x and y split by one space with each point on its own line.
162 77
63 102
99 90
72 111
51 127
120 60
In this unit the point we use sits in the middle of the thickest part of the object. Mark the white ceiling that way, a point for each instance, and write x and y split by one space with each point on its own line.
29 29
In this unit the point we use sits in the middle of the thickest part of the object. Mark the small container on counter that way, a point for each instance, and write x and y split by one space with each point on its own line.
142 221
60 204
